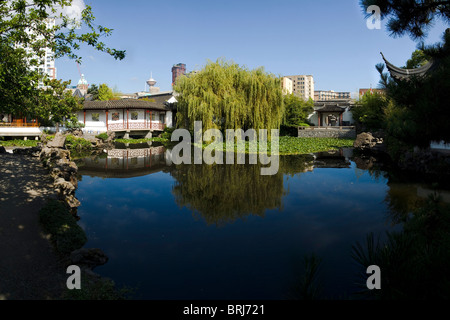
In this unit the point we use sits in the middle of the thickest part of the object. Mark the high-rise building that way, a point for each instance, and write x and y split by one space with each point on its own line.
287 85
303 86
178 70
47 60
322 95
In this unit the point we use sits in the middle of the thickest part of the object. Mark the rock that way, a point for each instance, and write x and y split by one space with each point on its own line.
58 141
32 152
77 133
2 149
89 258
64 187
72 201
366 141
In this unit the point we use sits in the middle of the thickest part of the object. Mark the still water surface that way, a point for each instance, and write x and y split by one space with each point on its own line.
226 232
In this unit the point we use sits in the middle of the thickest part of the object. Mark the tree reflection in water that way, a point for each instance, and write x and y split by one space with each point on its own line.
222 194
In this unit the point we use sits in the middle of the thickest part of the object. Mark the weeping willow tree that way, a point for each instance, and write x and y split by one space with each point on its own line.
226 96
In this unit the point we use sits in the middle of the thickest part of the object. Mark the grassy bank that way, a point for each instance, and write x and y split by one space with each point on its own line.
19 143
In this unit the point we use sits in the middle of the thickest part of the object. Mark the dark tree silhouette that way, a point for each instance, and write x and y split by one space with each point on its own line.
412 17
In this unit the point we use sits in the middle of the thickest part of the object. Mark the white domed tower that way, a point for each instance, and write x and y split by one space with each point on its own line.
83 84
151 84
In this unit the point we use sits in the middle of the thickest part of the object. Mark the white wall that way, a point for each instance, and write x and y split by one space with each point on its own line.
314 119
348 116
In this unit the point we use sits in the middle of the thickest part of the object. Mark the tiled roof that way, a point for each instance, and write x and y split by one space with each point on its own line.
125 104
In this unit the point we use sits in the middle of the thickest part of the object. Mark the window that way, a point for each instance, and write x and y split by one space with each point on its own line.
153 116
96 117
115 116
161 117
134 115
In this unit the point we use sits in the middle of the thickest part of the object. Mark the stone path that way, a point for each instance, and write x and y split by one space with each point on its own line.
29 269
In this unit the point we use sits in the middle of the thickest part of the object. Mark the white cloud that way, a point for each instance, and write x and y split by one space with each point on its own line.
75 10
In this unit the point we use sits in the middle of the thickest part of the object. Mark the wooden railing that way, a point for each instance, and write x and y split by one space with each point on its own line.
136 126
19 124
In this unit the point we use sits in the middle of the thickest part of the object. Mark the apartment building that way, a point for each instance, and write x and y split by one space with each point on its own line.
287 85
322 95
302 86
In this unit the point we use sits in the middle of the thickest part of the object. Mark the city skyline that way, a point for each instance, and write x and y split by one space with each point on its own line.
328 40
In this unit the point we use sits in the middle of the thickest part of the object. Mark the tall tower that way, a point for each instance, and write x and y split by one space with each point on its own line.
178 70
83 84
151 84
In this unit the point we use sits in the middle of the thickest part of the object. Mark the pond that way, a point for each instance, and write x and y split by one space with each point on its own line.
191 232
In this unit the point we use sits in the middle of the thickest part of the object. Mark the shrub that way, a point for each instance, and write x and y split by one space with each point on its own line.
64 231
167 134
79 144
103 136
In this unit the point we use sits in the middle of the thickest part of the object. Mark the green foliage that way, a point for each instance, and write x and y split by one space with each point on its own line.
105 93
298 146
65 233
57 104
167 134
418 59
419 111
413 17
78 144
297 110
370 112
138 141
291 131
19 143
294 145
93 90
18 16
103 136
226 96
415 261
18 82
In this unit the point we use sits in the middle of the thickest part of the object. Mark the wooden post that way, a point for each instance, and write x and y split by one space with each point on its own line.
123 118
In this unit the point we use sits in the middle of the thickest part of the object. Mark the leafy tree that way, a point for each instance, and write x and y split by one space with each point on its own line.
93 90
418 59
370 111
412 17
18 17
297 110
224 95
25 24
105 93
18 84
57 104
421 112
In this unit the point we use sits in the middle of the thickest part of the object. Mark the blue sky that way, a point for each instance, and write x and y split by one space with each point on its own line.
328 39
